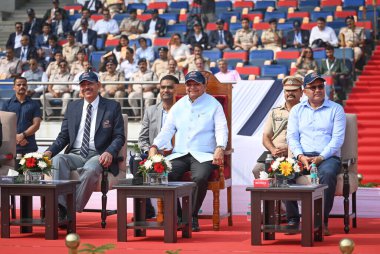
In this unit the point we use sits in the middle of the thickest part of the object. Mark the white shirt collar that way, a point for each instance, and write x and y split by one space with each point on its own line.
94 104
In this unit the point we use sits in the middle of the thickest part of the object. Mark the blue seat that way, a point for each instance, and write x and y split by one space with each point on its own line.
99 43
120 16
231 62
169 16
223 5
274 15
214 70
261 54
257 62
177 28
74 17
348 53
213 55
319 54
263 5
235 26
6 94
308 3
369 15
314 15
273 70
285 27
336 24
95 58
137 6
353 4
227 15
179 5
286 62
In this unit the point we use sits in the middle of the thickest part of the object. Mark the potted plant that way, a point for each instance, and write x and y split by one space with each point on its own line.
154 168
34 165
283 169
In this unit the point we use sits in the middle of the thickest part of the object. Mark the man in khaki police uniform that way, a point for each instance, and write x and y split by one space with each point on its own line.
272 37
116 91
10 66
274 136
71 48
352 37
245 38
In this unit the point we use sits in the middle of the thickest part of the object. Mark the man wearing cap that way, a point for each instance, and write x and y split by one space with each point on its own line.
116 91
220 38
135 90
34 25
297 38
315 134
274 135
93 133
200 127
272 37
86 14
132 25
160 65
245 38
154 27
86 36
353 37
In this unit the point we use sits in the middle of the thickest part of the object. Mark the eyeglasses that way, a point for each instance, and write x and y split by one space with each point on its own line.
314 88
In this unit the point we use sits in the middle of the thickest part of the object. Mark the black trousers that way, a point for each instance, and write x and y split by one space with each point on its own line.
200 172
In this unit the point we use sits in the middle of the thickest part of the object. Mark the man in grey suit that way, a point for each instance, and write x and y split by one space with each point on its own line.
154 118
93 131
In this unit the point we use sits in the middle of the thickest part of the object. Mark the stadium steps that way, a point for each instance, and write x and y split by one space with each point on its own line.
364 101
39 6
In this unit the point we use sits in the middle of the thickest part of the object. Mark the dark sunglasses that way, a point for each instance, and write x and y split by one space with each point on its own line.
314 88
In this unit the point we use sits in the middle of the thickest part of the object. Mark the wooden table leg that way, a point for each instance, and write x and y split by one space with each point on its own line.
139 211
186 216
26 211
121 216
170 217
51 221
255 218
318 211
5 223
71 211
269 218
307 220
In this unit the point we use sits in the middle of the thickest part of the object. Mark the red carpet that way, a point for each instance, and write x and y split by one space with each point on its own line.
364 101
234 239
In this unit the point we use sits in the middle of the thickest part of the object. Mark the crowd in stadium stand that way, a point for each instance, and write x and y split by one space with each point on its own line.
130 42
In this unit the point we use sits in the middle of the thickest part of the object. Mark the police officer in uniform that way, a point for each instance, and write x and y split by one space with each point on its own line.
272 37
274 136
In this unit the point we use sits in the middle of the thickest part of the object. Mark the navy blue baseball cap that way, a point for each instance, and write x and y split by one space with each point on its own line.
196 76
311 77
89 76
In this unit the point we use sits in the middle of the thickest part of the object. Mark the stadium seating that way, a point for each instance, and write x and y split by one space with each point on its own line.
137 6
179 5
263 5
352 4
273 70
213 55
261 54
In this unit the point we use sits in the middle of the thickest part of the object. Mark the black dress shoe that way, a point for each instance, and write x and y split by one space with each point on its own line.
195 224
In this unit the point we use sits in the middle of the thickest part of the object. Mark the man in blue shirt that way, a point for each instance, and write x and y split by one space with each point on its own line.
201 135
28 116
316 129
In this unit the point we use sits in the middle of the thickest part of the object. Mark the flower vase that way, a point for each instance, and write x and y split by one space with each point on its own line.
145 178
33 177
154 178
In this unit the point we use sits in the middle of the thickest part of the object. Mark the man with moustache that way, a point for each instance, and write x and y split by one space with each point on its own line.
93 133
28 116
315 134
154 118
201 135
274 135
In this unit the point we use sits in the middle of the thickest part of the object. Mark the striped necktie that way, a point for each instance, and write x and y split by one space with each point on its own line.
86 133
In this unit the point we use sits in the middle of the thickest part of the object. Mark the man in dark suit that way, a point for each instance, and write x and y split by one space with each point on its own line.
33 26
159 29
90 42
220 38
93 131
49 14
59 26
297 38
25 52
154 118
14 39
42 40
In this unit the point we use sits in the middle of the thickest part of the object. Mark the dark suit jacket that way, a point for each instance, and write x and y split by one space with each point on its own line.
91 36
214 38
66 26
37 28
11 40
109 129
150 126
39 42
160 26
305 34
48 11
32 52
192 41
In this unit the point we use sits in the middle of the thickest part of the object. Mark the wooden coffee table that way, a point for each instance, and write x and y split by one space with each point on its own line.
312 198
50 190
169 193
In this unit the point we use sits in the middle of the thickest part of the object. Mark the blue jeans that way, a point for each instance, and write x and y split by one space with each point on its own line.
327 173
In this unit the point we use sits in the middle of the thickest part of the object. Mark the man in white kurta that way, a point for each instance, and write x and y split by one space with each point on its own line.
201 135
